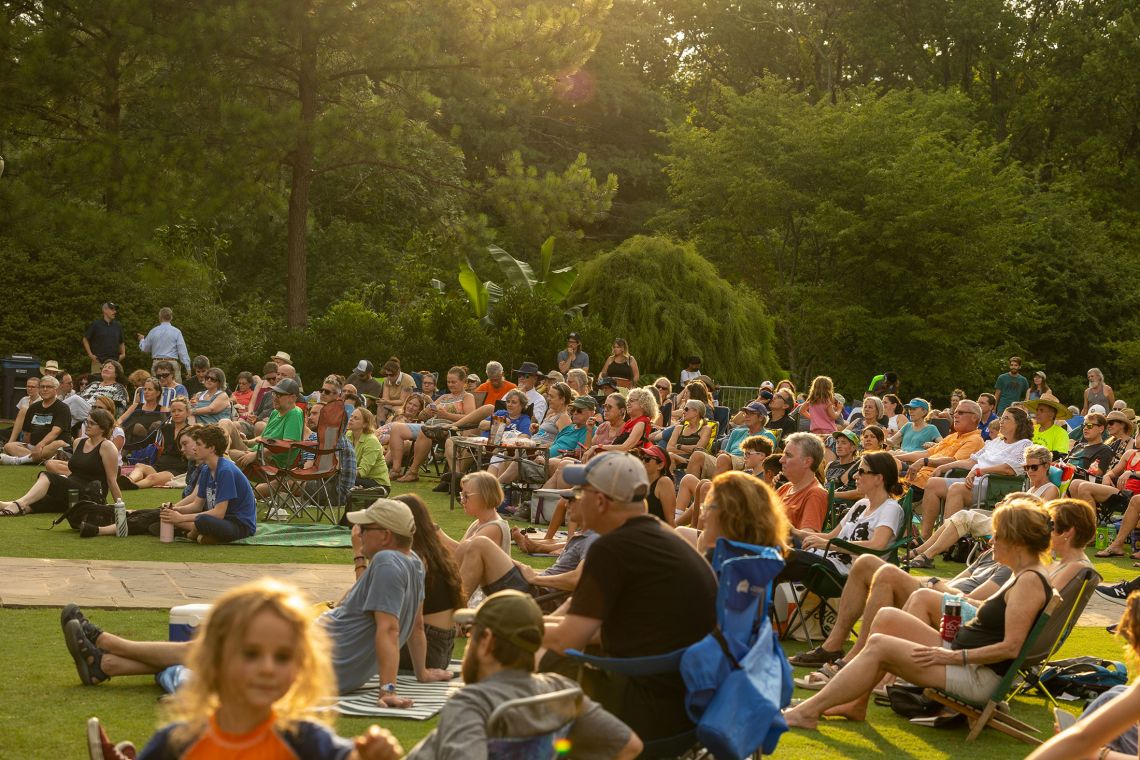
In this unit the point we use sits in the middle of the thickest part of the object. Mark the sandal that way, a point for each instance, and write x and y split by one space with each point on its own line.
1108 552
813 681
815 657
72 612
20 510
82 650
921 561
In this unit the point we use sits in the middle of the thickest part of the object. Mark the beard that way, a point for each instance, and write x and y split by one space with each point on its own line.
469 670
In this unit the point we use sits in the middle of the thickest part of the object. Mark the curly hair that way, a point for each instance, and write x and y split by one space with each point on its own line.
646 399
221 639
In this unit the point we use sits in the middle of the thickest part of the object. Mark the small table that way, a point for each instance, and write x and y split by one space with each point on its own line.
479 447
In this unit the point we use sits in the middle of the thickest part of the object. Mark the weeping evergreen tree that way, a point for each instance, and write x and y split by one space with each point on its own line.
670 303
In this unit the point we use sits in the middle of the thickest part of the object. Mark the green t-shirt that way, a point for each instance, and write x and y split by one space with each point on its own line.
1054 439
1012 388
288 427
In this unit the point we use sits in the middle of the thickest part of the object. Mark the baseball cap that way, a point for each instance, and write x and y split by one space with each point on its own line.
768 385
756 408
363 366
511 615
848 434
584 402
574 336
1096 408
656 453
111 306
605 381
919 403
473 377
616 474
287 385
394 515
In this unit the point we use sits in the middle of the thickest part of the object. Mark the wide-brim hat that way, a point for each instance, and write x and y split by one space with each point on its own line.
1061 410
51 365
1117 415
526 368
283 356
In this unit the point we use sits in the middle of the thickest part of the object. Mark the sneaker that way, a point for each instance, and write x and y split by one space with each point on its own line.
100 748
87 530
277 514
1116 593
815 657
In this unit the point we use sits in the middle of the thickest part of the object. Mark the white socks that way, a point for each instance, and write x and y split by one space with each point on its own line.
9 459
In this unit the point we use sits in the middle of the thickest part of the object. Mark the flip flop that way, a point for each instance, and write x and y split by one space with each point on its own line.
90 673
73 612
1104 553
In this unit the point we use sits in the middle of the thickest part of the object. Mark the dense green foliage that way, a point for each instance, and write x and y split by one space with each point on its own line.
921 185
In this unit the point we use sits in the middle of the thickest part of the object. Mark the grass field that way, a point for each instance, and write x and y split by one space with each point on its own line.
43 708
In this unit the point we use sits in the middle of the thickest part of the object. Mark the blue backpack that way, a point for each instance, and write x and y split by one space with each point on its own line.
1083 677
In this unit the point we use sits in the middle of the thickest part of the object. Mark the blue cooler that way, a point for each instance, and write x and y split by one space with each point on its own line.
185 619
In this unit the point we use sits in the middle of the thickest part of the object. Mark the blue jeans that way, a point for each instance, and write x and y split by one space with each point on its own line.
224 530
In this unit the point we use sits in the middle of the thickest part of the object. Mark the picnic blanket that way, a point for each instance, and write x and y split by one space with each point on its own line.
429 698
299 534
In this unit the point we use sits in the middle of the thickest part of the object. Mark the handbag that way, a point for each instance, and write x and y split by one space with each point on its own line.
532 472
909 701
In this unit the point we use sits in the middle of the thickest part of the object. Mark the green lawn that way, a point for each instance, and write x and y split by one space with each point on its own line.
43 708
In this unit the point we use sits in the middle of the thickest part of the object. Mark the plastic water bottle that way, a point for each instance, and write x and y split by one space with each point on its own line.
120 519
951 618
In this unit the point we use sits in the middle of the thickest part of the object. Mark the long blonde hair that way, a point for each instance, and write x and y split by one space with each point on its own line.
822 391
222 635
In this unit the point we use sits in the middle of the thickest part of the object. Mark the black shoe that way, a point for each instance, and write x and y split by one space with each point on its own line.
815 657
1117 592
87 530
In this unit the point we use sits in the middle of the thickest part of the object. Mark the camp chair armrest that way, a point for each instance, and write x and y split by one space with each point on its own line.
851 548
670 662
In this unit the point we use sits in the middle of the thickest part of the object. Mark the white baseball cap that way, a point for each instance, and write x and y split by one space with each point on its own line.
618 475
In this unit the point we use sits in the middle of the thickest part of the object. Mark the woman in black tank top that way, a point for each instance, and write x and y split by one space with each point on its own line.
662 497
910 648
94 470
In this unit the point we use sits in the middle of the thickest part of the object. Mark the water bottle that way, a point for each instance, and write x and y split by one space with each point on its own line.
120 519
951 618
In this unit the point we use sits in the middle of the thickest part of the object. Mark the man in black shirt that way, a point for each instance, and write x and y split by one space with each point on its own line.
46 425
104 339
779 414
642 589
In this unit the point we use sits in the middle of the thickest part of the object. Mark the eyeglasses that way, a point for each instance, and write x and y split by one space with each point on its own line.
371 527
962 411
464 495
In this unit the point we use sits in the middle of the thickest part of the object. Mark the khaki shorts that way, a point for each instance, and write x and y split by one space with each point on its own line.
737 461
974 682
973 522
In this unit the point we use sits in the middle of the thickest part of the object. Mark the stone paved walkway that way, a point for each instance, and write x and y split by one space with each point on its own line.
162 585
150 585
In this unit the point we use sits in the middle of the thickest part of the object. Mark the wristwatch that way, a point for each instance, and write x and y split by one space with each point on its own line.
388 688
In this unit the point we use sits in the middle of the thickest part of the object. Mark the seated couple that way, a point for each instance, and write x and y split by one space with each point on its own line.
484 552
380 613
906 642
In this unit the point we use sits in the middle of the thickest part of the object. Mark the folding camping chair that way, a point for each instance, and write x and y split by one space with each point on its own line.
309 492
511 727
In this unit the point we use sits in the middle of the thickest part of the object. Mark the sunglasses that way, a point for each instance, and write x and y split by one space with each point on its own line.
862 471
1093 424
1035 467
352 398
214 378
663 388
161 375
327 392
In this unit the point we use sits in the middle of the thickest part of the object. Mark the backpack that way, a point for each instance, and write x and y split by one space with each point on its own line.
962 549
1082 677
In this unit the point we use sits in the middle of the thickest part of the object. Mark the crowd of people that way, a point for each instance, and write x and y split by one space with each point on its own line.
647 481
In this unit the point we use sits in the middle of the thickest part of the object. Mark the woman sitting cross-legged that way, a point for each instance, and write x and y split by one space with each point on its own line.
223 508
901 644
145 414
558 398
448 409
94 465
872 522
172 461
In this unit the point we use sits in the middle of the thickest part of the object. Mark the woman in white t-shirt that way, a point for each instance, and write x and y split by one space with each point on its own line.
872 522
1001 456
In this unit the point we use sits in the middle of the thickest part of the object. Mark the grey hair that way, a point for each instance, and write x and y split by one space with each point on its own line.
493 367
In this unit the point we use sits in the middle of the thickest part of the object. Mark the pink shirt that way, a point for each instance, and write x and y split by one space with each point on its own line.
821 419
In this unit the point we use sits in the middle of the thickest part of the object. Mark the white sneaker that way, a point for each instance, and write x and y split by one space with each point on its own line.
9 459
277 514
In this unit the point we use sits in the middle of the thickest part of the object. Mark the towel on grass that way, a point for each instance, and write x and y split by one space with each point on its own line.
429 698
299 534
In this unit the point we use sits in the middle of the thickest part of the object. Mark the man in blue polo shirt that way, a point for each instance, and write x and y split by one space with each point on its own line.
104 338
164 342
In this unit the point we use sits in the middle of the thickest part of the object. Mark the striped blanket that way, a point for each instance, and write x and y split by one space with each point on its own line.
429 698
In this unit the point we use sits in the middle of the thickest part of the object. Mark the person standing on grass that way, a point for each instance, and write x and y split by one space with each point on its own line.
164 342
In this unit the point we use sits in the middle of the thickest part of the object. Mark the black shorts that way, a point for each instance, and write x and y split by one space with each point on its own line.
512 580
1118 502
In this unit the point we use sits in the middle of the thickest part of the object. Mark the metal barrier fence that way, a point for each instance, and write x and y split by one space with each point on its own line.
736 396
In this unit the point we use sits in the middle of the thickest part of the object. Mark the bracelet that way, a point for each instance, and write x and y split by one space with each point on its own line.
964 656
1103 753
360 557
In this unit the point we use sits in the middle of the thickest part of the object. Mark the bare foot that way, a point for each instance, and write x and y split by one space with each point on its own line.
522 541
408 478
795 719
850 711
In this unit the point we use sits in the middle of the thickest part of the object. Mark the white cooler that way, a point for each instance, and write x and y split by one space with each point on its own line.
543 504
185 619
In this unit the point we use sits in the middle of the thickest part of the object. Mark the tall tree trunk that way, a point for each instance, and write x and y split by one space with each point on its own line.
112 123
296 287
